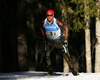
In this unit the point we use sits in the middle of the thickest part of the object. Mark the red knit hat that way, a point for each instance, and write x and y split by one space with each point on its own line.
50 12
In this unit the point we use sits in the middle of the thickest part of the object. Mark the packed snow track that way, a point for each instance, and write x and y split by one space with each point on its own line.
43 76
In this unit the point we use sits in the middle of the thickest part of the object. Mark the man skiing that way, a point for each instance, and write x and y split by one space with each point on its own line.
55 35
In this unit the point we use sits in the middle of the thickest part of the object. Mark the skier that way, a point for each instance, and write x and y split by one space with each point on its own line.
55 35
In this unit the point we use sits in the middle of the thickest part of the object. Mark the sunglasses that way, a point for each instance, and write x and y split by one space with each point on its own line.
49 15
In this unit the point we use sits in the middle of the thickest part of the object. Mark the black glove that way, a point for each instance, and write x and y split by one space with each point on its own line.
44 40
65 43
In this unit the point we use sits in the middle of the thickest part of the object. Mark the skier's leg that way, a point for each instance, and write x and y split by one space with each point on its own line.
66 56
48 60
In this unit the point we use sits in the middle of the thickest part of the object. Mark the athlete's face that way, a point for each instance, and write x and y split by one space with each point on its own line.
50 17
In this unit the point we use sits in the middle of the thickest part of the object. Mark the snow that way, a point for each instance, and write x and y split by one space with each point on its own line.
42 76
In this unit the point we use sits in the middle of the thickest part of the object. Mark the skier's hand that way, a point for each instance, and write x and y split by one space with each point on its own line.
65 43
44 41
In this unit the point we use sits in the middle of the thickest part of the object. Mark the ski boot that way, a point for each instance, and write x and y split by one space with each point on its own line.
50 70
74 72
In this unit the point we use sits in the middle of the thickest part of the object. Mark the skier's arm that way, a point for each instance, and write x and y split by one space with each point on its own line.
43 33
66 36
66 32
64 27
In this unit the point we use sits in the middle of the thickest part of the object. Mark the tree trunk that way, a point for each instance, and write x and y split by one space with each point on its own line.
0 44
64 14
8 35
88 50
87 40
97 53
0 52
66 67
22 54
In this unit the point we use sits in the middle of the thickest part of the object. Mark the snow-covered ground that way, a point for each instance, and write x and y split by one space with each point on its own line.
43 76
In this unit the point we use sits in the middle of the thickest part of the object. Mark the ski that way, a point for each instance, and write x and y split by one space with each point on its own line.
56 74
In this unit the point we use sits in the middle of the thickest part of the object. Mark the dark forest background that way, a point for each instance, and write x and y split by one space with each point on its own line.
21 47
